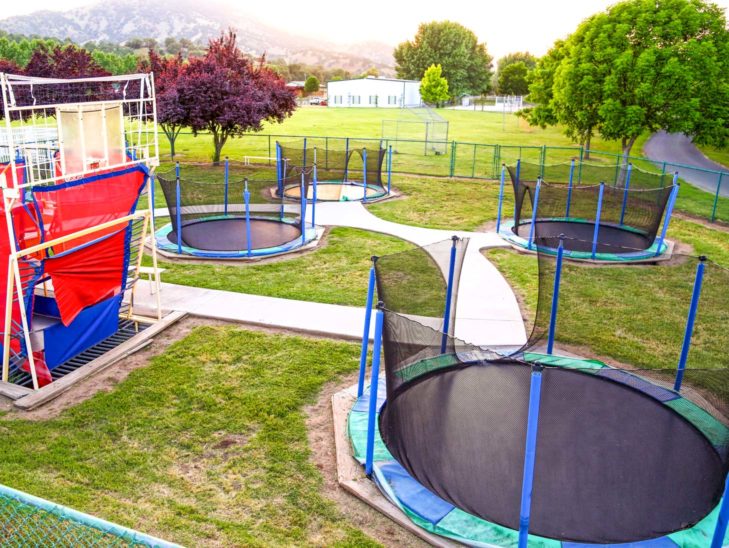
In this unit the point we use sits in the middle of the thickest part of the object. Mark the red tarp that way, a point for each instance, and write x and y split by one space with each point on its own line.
87 275
71 207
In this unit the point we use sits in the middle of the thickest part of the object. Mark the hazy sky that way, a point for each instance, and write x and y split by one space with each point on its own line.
505 25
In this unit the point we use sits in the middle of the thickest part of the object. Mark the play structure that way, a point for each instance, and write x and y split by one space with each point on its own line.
495 446
229 212
76 158
603 213
358 172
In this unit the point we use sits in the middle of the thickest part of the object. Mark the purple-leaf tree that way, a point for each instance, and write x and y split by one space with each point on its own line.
226 94
171 116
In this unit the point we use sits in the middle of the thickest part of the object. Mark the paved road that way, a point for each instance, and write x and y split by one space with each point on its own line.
677 148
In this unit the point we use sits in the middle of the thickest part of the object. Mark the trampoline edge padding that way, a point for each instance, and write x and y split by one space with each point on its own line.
443 517
227 237
604 253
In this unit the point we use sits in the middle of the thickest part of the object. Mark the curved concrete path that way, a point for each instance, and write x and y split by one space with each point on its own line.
487 312
677 148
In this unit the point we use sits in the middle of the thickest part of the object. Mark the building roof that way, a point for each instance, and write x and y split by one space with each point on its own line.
378 79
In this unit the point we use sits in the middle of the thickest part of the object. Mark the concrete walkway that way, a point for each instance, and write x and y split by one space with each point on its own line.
677 148
487 312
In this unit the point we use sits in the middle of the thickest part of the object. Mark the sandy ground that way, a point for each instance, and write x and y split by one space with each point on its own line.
320 427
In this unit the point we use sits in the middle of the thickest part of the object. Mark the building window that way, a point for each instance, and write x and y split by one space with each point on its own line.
338 99
373 100
355 100
392 99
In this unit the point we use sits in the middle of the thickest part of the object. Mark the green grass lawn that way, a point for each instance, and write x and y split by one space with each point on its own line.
720 155
336 274
637 314
205 446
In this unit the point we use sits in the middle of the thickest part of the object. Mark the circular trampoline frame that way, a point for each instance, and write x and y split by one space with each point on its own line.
445 518
169 246
506 231
374 191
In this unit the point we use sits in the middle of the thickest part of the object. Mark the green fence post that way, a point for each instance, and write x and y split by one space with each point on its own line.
663 173
453 159
716 198
495 156
473 164
542 160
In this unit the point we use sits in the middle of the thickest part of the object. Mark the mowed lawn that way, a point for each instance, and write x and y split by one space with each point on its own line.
206 446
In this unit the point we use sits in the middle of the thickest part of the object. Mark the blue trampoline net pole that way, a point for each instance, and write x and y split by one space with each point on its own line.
598 214
314 176
366 334
669 213
535 207
304 157
516 187
346 159
282 208
178 211
389 169
279 170
247 202
570 184
626 190
364 173
449 295
303 208
177 170
501 198
721 523
530 453
555 295
689 331
227 179
374 382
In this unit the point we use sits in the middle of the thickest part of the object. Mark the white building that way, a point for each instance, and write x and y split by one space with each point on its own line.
374 92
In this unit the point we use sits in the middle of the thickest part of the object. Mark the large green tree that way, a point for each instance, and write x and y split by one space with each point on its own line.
641 66
466 63
433 87
512 73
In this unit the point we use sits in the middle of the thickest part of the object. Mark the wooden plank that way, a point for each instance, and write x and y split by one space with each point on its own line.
13 391
351 476
56 388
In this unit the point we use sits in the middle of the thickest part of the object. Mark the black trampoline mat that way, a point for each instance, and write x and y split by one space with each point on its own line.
231 235
579 235
612 464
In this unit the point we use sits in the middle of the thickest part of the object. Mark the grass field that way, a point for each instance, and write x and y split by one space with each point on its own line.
206 446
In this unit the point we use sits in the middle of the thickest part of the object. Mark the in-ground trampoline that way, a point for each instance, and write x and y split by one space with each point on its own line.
357 172
228 217
600 213
528 448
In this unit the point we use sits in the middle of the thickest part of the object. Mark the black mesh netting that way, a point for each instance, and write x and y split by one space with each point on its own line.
212 212
621 455
334 165
629 216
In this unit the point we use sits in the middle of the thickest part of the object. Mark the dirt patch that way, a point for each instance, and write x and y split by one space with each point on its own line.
320 427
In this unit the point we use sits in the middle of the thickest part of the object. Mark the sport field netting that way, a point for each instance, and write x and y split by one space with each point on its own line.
417 128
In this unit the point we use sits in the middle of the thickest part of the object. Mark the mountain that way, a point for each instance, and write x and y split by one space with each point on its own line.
120 20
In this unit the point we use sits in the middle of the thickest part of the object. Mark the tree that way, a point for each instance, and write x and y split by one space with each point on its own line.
372 71
171 116
172 46
512 73
311 85
639 67
433 87
466 64
63 62
9 67
226 94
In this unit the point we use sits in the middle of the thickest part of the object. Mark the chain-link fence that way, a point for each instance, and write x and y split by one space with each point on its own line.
707 195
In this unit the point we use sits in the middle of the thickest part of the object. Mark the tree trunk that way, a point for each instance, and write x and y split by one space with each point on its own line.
588 140
219 139
627 145
171 133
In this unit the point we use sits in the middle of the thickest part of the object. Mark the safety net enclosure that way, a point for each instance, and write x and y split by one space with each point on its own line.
230 211
360 171
32 521
536 445
601 213
78 154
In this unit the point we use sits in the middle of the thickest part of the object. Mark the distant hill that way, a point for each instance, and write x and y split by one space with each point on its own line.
120 20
